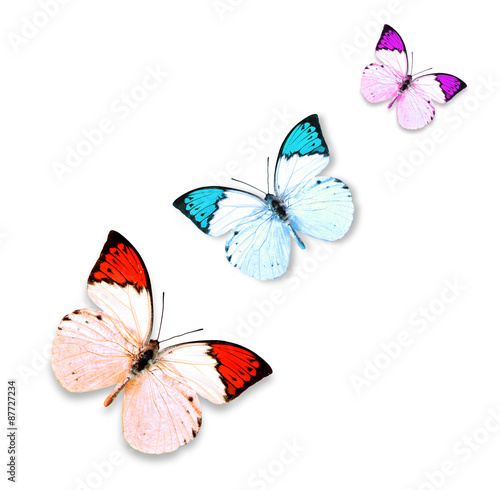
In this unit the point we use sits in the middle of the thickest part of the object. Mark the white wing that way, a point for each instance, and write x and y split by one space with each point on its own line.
218 371
303 155
119 284
217 210
159 413
322 208
391 51
380 82
260 246
414 108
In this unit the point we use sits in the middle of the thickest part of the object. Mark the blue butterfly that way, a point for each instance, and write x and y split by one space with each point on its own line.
259 243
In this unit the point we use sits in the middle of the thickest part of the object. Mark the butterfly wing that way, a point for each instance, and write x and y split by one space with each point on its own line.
303 154
391 50
90 351
382 81
440 87
322 208
219 371
217 210
414 108
159 413
260 246
119 284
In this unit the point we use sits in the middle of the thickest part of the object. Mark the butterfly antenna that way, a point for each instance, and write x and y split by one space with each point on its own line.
180 335
250 185
268 175
427 69
411 71
162 310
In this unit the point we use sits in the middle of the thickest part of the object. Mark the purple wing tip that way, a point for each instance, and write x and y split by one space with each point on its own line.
390 39
450 85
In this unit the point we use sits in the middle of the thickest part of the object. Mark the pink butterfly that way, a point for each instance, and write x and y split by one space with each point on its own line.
95 349
390 80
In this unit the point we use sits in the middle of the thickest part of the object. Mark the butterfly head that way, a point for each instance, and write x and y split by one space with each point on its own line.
145 356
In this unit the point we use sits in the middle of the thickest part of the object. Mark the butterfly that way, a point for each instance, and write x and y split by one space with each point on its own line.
303 202
94 349
413 96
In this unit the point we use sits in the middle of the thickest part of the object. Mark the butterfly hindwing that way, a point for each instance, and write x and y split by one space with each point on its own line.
303 154
380 82
322 208
90 351
159 413
217 210
260 246
119 284
414 108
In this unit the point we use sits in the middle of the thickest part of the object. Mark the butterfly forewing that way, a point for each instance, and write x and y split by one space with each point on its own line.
119 284
219 371
303 154
217 210
440 87
391 51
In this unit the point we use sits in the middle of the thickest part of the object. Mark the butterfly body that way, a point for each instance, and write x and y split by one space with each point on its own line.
95 349
277 207
406 83
413 95
302 202
145 357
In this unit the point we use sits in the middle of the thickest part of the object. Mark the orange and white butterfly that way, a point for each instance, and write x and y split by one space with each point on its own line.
95 349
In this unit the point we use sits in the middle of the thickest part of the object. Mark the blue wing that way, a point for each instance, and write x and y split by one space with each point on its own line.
217 210
322 208
303 154
260 246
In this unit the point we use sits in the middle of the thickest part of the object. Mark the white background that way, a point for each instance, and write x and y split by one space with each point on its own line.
228 74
